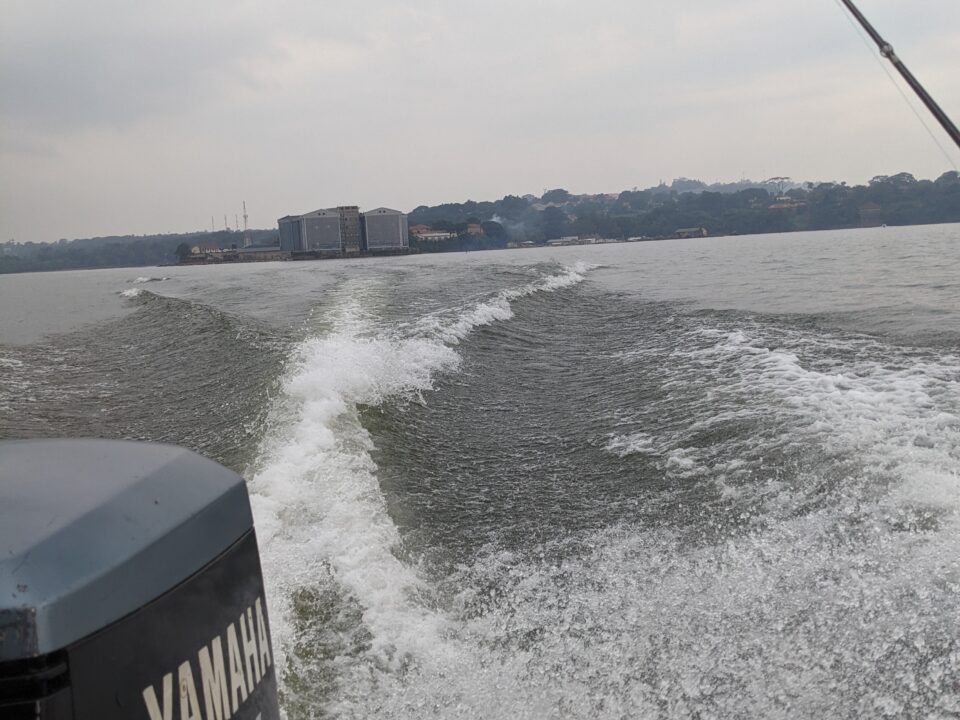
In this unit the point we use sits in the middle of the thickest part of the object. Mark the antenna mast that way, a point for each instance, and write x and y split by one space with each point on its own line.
246 229
886 49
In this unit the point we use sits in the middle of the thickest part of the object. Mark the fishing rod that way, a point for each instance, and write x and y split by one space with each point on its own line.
886 50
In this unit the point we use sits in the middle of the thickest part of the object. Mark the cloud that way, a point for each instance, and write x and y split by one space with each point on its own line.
69 67
149 117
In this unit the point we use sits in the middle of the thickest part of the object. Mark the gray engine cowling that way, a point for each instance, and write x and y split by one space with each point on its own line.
130 586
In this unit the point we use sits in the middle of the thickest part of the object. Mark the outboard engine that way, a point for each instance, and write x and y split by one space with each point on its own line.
130 586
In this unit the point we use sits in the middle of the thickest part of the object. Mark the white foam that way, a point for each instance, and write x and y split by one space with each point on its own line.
639 623
891 416
499 308
799 616
682 459
316 497
131 293
631 444
314 490
146 279
895 414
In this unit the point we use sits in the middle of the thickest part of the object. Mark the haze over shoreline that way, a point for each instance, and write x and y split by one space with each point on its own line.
678 185
775 206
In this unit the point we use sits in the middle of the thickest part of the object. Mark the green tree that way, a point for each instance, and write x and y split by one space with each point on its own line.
558 195
554 223
493 229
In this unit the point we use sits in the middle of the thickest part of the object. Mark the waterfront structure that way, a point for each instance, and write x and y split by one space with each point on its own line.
320 231
203 248
385 229
436 235
326 231
691 232
261 254
291 233
351 239
425 232
217 256
566 240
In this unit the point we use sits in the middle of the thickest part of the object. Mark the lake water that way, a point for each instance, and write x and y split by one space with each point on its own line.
694 478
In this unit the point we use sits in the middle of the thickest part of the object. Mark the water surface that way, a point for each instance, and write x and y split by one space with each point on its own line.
700 478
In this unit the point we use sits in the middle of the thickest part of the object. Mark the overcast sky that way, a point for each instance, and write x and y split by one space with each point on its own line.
126 117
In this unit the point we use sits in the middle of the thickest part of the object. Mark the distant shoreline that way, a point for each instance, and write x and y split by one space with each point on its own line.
536 246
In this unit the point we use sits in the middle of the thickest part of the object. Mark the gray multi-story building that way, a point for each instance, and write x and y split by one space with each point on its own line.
343 230
351 238
385 229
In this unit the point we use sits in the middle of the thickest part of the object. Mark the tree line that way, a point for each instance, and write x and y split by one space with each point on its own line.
777 205
117 250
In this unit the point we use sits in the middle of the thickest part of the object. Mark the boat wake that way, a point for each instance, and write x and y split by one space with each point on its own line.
814 578
337 588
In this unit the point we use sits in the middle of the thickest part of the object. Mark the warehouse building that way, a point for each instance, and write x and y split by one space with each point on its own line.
344 231
290 233
385 229
317 231
321 231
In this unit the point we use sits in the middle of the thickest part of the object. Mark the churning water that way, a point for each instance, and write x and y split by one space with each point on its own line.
710 478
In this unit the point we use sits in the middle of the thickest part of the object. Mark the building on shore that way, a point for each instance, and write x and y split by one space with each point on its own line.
333 231
342 231
384 229
697 232
252 253
436 236
785 202
204 248
351 238
216 256
291 233
321 231
428 234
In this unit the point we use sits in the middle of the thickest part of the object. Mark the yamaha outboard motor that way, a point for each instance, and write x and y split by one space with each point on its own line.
130 586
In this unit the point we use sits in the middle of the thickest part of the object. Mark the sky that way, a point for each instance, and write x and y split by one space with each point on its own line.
119 117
